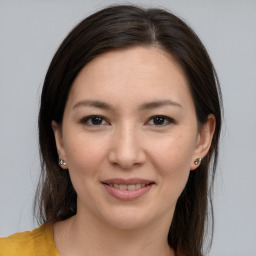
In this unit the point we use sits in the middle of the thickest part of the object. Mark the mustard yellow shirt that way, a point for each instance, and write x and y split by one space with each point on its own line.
38 242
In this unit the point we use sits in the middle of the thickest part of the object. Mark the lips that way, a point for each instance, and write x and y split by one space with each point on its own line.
129 189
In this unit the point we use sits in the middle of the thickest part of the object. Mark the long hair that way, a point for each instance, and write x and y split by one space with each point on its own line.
125 26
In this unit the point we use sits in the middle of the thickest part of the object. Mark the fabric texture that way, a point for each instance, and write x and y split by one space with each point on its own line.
37 242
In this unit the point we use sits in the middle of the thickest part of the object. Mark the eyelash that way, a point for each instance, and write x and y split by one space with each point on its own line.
167 120
89 120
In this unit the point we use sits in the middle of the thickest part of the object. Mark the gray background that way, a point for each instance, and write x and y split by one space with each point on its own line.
30 32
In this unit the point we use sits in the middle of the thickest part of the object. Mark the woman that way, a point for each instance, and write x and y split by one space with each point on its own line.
129 122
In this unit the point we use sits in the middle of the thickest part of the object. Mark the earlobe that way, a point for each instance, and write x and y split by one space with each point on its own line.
59 144
198 161
204 141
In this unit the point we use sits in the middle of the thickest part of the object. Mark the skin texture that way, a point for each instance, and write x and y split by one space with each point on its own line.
127 141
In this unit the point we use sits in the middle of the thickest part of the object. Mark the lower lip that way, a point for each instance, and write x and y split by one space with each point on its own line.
127 195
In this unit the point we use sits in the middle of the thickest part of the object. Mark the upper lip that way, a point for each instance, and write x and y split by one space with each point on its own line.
127 181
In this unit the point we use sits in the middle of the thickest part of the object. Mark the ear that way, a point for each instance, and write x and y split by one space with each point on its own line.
204 140
59 142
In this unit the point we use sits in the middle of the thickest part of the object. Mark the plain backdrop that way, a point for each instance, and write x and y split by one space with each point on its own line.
30 32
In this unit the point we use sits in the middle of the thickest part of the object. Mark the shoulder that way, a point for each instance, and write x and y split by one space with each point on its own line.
36 242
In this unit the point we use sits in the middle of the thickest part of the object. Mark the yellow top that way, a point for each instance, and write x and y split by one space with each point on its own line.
37 242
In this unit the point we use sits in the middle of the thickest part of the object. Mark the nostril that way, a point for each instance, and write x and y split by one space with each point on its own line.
126 153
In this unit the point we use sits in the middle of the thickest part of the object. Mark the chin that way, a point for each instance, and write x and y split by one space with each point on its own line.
130 218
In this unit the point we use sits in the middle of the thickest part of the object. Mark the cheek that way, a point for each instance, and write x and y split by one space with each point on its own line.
172 159
84 156
173 153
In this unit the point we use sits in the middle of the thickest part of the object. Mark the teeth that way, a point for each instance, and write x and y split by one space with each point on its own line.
131 187
122 187
128 187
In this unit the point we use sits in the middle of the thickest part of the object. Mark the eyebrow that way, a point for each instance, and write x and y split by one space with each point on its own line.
93 103
145 106
159 103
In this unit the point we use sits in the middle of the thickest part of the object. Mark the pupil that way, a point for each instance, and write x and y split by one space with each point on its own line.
158 120
96 120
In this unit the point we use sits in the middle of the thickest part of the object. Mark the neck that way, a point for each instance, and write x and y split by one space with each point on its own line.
84 236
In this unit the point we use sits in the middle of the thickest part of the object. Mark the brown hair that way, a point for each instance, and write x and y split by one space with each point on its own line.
119 27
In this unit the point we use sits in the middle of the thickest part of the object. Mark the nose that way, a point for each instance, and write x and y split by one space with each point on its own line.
126 148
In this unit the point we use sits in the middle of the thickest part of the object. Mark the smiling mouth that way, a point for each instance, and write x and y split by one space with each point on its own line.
127 189
128 186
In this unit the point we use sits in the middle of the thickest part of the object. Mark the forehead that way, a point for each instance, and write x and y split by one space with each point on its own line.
134 74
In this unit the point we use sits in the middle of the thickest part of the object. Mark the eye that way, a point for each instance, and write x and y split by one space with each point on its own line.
160 120
94 120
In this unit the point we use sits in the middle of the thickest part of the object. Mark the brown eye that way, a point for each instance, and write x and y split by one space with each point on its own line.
94 120
160 120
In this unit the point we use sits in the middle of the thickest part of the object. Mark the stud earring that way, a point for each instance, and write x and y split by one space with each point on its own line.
62 162
198 161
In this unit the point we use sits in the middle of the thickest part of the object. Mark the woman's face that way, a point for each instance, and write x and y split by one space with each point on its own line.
129 137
